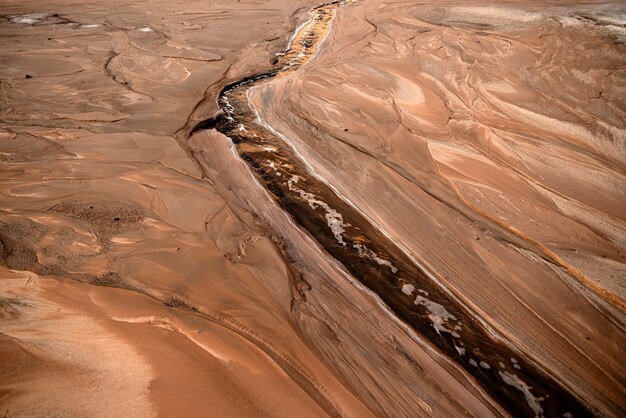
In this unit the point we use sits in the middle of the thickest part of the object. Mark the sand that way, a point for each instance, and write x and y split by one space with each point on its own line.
148 271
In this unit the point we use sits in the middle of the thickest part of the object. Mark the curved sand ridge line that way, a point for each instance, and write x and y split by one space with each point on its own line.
403 284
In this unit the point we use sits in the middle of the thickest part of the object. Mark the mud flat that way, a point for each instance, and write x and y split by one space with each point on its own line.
394 241
449 113
128 285
413 293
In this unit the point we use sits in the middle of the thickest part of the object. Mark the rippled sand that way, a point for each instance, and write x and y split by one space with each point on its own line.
146 272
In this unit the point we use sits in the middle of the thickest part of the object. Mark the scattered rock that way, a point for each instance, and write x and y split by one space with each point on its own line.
110 279
17 240
107 218
174 302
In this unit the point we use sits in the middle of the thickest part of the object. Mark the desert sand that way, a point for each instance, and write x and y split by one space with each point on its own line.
418 210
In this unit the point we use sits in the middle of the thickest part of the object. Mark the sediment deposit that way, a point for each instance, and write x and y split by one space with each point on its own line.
372 208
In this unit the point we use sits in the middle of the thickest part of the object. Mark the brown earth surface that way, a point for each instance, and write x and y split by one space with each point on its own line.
146 271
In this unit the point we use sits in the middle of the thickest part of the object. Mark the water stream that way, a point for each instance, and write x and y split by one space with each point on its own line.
408 289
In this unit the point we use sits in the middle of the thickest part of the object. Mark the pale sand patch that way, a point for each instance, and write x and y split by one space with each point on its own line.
97 374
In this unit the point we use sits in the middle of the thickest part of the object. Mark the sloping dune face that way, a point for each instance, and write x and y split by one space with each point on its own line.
394 209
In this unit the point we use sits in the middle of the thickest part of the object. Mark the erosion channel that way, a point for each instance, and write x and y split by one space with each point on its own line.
410 291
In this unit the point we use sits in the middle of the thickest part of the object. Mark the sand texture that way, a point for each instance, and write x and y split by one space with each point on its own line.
269 208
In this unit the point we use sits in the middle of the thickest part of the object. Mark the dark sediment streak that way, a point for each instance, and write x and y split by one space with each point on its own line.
521 387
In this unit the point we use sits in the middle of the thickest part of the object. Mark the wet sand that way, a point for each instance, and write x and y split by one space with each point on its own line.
456 142
460 165
369 256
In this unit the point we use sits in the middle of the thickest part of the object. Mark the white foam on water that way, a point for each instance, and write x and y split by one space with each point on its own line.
335 222
366 252
408 289
25 20
29 18
334 219
384 262
273 166
532 401
227 106
439 315
293 180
